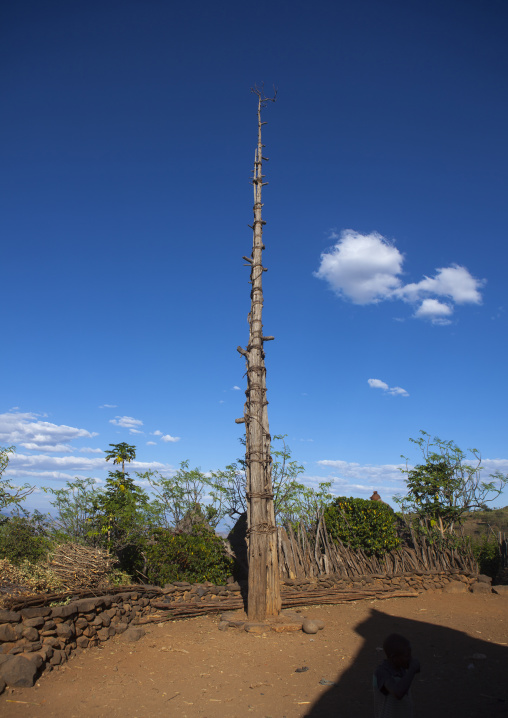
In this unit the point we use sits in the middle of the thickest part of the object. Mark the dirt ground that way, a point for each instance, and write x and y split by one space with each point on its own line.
189 669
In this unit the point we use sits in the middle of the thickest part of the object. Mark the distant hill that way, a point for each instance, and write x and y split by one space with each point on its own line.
480 523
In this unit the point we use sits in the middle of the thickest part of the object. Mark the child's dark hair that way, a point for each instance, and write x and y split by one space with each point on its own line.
395 645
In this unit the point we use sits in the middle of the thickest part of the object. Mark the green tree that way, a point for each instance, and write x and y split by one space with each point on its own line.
362 524
77 511
190 494
448 485
120 453
293 501
10 494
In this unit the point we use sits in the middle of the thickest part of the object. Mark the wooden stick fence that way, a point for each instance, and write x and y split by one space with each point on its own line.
305 554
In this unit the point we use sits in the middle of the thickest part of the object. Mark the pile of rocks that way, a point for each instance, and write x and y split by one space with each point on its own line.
34 640
416 580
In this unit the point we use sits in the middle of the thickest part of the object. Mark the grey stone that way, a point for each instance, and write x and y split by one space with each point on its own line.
19 672
310 626
65 630
223 625
121 627
10 616
103 634
484 579
64 611
35 612
36 659
106 619
481 587
7 633
87 605
31 634
133 633
36 622
82 641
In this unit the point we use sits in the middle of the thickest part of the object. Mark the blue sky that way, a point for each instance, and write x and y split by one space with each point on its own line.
128 141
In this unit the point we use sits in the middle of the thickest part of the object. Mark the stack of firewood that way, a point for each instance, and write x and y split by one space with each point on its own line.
80 566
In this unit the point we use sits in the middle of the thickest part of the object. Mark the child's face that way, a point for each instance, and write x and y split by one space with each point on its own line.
402 658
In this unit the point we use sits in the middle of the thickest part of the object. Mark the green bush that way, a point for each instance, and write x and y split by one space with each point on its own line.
195 557
24 538
486 552
362 524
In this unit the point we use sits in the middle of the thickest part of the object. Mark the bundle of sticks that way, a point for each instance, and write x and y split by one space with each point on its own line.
80 566
304 598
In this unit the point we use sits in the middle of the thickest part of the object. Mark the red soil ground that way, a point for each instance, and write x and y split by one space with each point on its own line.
189 669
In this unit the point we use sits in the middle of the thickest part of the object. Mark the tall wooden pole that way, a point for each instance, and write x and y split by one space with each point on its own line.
264 585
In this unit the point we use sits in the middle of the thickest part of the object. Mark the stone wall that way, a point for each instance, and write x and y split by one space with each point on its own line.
38 639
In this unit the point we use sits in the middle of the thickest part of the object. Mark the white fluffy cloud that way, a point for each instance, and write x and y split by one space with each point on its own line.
367 269
169 438
393 390
107 406
127 422
26 430
64 468
436 311
362 267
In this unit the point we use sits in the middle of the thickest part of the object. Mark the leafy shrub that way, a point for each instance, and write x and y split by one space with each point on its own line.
24 538
38 578
486 552
362 524
195 557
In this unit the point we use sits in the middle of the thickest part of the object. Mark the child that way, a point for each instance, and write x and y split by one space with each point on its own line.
393 678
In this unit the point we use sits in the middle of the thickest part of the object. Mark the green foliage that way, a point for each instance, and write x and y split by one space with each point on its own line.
120 453
24 538
448 485
195 557
486 552
362 524
293 501
10 494
76 507
189 492
124 520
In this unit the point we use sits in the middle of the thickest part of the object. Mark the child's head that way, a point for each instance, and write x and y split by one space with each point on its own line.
398 650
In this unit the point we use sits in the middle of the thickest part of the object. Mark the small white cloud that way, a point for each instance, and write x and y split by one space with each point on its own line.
366 269
236 388
434 310
127 422
88 450
151 443
454 282
108 406
393 390
221 401
135 431
62 448
363 268
27 429
157 433
172 439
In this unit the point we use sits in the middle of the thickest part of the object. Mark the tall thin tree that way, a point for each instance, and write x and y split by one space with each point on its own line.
264 586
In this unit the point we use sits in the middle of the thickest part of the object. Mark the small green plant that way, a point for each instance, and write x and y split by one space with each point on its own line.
195 557
362 524
24 538
486 552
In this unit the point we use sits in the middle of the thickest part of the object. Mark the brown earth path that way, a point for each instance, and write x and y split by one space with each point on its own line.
189 669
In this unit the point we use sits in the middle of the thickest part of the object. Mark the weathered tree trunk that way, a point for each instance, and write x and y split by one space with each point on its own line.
264 588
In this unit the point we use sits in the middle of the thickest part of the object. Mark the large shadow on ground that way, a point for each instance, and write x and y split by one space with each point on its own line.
453 683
